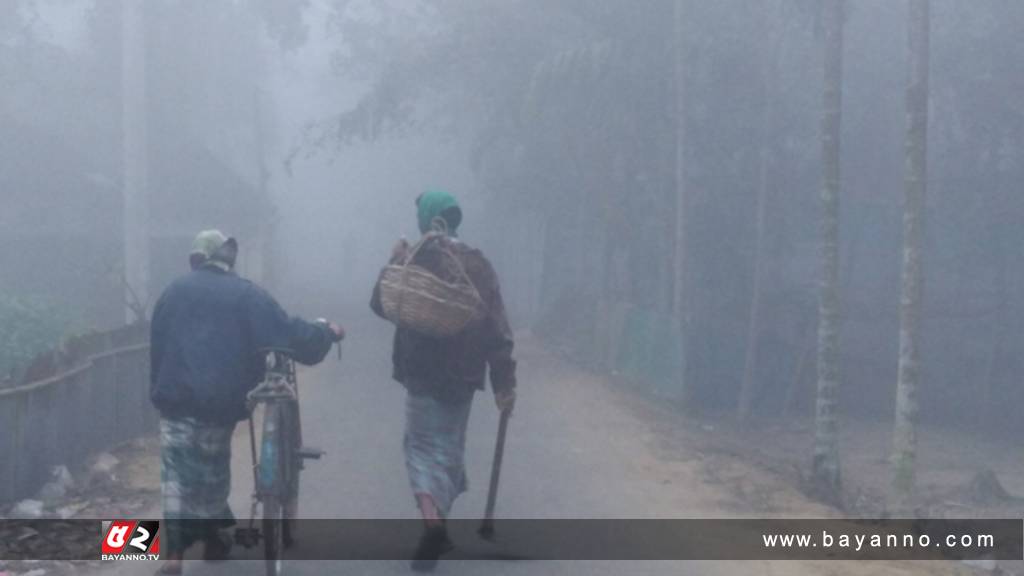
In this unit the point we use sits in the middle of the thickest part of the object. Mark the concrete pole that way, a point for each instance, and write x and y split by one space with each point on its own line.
134 159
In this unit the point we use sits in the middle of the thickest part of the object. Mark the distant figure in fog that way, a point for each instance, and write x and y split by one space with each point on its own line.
442 374
208 329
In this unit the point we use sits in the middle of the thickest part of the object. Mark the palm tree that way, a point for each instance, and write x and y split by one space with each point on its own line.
825 464
916 151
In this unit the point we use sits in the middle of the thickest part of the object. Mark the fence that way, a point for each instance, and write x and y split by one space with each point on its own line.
100 400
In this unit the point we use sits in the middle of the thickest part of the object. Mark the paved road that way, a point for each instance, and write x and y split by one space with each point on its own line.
576 449
568 456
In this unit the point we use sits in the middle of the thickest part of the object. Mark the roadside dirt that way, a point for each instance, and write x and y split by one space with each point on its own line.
126 487
691 468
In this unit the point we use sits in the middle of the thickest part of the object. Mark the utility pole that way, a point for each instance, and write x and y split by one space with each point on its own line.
134 158
680 288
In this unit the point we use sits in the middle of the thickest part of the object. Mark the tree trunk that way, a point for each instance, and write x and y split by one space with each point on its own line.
134 159
748 388
825 465
680 292
916 149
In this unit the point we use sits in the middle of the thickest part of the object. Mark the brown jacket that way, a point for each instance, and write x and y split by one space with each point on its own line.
426 362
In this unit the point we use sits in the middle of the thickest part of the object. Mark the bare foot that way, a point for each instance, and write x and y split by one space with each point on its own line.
431 515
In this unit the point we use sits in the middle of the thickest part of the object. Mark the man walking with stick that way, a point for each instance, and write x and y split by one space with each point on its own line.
441 374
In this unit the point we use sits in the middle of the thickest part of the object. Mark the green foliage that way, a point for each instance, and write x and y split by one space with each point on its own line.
28 327
284 21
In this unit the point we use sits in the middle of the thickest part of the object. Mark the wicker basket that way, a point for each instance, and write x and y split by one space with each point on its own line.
414 298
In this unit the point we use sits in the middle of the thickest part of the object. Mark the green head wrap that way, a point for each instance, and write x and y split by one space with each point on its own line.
438 204
215 248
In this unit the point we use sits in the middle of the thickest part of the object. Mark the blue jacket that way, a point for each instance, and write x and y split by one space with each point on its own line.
207 331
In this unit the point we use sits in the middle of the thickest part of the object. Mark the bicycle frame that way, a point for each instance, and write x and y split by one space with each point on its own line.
275 469
278 388
275 466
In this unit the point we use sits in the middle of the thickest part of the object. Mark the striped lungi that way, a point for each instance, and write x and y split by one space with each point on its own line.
435 445
195 479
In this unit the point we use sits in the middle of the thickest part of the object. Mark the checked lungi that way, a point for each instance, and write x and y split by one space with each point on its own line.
435 445
195 480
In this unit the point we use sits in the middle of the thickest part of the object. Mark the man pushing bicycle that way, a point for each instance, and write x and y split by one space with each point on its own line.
207 331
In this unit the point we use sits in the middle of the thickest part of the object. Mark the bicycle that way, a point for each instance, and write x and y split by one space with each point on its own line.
281 457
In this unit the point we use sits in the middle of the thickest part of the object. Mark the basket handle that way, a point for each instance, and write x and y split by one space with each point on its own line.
462 270
439 231
438 228
408 260
415 249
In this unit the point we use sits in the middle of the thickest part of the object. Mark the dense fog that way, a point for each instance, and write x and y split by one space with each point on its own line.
745 210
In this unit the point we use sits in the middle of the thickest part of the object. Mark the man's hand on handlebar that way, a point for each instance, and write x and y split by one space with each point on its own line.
337 332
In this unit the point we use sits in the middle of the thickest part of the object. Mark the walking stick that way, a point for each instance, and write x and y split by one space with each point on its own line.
486 530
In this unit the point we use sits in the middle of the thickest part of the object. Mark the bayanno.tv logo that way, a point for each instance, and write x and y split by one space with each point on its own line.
131 540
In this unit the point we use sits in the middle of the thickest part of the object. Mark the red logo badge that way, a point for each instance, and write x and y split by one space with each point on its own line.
131 540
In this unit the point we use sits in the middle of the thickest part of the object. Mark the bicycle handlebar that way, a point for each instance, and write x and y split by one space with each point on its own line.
290 352
280 350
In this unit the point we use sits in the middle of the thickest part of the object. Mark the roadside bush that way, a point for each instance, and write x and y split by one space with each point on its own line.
28 327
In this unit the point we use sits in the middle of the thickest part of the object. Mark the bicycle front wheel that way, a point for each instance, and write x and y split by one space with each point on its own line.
273 536
275 456
290 495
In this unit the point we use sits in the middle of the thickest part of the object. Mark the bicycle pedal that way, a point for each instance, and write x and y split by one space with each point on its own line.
310 453
247 537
